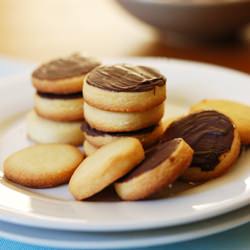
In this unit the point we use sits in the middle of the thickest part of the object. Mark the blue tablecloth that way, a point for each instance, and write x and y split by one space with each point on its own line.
235 239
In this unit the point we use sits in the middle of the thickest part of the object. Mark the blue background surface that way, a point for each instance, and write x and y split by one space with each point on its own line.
235 239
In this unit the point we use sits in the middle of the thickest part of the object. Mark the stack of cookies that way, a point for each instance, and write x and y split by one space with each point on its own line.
58 114
122 101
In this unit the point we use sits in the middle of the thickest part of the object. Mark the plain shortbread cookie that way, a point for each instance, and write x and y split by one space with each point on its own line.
42 166
105 166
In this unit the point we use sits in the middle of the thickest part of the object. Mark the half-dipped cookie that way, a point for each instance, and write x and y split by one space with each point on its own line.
64 75
124 88
214 139
59 107
146 136
162 165
238 112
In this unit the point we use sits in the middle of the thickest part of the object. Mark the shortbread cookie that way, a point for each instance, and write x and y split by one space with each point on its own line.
121 122
238 112
124 88
89 148
59 107
214 139
105 166
63 76
42 166
163 164
146 136
42 130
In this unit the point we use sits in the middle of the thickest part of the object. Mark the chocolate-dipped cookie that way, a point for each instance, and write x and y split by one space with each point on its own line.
110 121
238 112
163 164
146 136
59 107
42 130
124 88
214 139
64 75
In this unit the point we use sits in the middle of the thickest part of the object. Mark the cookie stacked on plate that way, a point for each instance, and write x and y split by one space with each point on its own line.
122 101
58 114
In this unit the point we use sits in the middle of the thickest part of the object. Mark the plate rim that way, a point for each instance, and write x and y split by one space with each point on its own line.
153 241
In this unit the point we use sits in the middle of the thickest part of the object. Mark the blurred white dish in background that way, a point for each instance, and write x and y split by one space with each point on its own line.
192 20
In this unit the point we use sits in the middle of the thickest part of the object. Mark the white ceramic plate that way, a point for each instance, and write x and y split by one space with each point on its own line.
83 240
188 82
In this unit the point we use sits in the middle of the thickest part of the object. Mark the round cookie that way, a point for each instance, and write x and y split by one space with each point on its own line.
46 131
42 166
214 139
59 107
63 76
124 88
162 165
89 148
109 121
238 112
146 136
105 166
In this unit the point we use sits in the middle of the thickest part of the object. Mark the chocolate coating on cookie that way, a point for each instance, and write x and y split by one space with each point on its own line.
154 156
59 96
62 68
94 132
125 78
209 133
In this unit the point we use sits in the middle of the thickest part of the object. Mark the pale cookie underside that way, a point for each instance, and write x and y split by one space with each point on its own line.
46 131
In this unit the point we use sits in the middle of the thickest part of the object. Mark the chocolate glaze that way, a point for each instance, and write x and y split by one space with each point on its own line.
71 66
209 133
154 156
60 96
93 132
125 78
